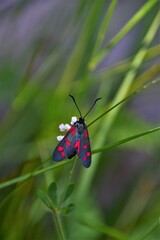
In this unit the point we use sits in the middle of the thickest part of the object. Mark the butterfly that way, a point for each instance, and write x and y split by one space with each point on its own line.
76 141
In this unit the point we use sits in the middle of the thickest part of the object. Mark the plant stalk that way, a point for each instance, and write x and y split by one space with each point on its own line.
59 225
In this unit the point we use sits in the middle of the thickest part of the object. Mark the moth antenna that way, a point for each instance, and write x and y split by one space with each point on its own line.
76 104
92 106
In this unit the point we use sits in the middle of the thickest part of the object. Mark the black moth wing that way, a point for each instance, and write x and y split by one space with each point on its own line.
85 149
65 148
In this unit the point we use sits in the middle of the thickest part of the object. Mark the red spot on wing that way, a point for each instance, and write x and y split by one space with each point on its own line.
72 130
88 154
85 146
84 158
77 145
68 143
60 148
86 133
62 153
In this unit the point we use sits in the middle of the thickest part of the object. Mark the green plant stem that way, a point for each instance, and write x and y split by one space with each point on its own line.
59 225
32 174
114 144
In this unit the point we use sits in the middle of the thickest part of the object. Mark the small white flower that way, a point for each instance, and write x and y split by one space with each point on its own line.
73 120
59 138
67 126
62 127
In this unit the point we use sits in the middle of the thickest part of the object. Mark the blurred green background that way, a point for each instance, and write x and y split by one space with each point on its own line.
90 49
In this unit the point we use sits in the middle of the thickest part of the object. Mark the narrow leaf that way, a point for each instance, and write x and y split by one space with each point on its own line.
68 192
104 26
68 209
108 231
43 196
52 193
114 144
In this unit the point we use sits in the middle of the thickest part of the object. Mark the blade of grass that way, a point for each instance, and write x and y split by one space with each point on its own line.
133 210
104 26
145 76
31 89
122 66
133 21
32 174
108 231
124 100
114 144
150 230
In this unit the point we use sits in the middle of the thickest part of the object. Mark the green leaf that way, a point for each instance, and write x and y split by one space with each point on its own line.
68 192
43 196
52 193
68 209
125 140
111 232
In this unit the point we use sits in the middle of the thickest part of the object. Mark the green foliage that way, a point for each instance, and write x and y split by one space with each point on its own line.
45 199
68 209
51 201
69 52
68 192
52 193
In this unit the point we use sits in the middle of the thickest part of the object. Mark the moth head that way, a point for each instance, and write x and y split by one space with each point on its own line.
81 120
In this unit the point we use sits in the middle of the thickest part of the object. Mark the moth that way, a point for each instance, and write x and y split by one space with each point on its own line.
76 141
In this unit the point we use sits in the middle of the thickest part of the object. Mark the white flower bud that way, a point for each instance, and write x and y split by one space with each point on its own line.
59 138
73 120
62 127
67 126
